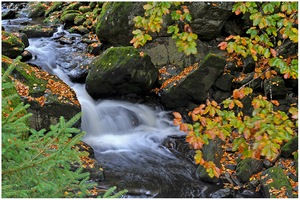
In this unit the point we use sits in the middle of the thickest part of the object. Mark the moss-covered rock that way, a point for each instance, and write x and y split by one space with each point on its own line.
84 9
55 6
290 147
12 46
48 96
247 167
73 6
115 25
121 70
38 31
37 10
194 87
274 183
69 17
53 18
79 19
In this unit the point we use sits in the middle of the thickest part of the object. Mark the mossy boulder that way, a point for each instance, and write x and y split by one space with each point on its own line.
12 46
69 16
211 152
290 147
115 23
56 6
37 10
194 87
120 70
48 96
247 167
79 19
73 6
84 9
36 31
274 180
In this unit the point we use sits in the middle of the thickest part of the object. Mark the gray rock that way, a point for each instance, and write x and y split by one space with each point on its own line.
119 71
194 87
247 167
207 19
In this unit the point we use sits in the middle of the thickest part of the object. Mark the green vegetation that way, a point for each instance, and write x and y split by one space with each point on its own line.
262 133
152 22
40 164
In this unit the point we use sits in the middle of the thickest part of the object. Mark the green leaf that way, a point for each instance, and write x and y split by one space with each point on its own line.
237 142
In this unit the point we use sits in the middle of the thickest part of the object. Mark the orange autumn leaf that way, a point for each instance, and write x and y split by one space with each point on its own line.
222 45
177 115
275 102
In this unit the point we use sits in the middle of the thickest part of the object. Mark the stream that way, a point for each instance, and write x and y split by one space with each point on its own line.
126 137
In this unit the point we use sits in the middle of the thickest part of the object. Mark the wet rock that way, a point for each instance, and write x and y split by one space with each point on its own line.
209 19
9 14
36 31
95 48
230 166
224 82
290 147
223 193
247 167
65 40
219 95
84 9
115 23
275 86
48 96
121 70
26 56
211 152
73 6
78 74
274 179
12 46
194 87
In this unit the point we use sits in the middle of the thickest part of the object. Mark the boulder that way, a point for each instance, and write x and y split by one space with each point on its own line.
23 38
9 14
115 23
168 52
56 6
36 31
247 167
195 86
36 9
48 96
208 18
211 152
12 46
290 147
275 184
120 70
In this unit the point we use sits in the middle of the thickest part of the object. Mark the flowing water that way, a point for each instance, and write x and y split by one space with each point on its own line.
126 137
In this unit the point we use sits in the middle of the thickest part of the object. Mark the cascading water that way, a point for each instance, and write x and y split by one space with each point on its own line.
126 137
